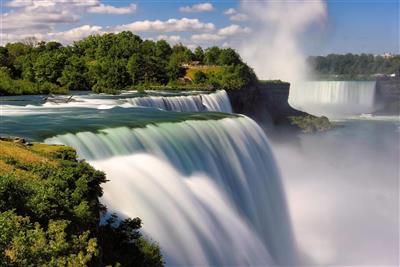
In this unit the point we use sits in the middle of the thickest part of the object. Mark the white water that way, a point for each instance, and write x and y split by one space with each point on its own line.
207 191
333 98
217 101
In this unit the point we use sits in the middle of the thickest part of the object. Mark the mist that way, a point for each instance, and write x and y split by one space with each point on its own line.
342 189
274 48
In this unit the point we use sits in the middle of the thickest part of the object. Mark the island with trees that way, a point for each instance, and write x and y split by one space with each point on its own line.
113 62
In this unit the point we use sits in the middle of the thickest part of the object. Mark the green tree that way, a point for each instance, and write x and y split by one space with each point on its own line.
211 55
199 54
228 56
163 50
74 75
109 75
199 77
4 61
48 66
175 70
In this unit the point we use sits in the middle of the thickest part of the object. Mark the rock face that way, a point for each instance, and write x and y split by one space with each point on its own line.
388 96
265 103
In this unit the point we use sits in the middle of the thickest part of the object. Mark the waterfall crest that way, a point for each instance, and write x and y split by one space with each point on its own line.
188 102
333 97
217 101
208 191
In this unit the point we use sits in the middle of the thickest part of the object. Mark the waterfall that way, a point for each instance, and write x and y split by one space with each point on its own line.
333 97
194 102
217 101
208 191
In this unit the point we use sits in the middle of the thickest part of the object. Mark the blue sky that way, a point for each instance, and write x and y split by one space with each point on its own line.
349 26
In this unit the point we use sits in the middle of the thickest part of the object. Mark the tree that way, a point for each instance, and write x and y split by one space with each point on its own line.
199 54
175 69
51 46
111 62
228 56
135 69
4 62
163 50
123 243
211 55
50 213
109 75
74 75
27 243
199 77
49 66
31 41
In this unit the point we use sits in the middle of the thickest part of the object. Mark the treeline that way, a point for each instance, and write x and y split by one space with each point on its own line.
111 62
50 213
354 66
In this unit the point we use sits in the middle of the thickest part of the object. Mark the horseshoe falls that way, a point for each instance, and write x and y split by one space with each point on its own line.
333 98
208 191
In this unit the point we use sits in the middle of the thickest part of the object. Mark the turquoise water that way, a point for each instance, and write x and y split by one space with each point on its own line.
213 190
205 184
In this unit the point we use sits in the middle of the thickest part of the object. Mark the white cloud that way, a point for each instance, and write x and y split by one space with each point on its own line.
38 17
171 25
38 22
11 37
202 7
43 16
76 33
230 11
234 15
206 37
239 17
233 30
107 9
170 38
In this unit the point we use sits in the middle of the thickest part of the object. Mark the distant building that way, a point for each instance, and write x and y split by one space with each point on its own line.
385 55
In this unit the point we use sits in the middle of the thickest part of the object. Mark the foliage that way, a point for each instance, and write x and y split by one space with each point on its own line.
9 86
50 213
199 77
74 75
351 66
123 243
111 62
311 124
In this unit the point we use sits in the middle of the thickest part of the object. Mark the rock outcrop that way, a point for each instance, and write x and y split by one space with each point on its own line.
388 96
267 102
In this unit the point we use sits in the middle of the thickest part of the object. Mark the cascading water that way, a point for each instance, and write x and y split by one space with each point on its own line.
217 101
333 98
208 191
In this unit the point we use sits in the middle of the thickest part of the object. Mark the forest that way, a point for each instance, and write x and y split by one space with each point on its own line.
353 66
113 62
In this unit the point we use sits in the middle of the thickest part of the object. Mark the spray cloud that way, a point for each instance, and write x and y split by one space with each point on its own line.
274 47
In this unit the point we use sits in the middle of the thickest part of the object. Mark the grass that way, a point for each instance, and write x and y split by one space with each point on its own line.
190 71
21 157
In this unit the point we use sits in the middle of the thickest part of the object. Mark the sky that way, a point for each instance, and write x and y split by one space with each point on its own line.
346 25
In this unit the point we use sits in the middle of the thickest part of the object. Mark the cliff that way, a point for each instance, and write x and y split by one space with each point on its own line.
267 102
388 96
